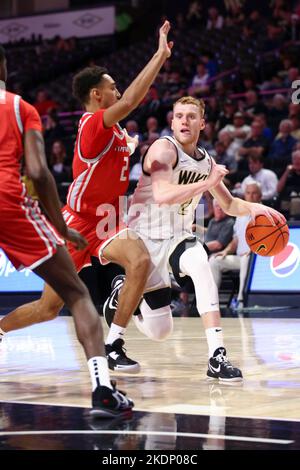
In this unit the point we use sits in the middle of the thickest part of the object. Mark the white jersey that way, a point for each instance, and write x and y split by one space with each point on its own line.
167 221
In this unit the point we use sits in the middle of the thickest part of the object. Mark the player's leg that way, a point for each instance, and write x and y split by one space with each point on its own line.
44 309
155 319
193 262
60 273
132 255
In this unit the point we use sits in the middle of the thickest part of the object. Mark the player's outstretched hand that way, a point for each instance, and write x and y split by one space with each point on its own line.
163 45
272 214
74 237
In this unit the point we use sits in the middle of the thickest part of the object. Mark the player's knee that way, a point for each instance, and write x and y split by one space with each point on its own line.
162 328
139 265
47 312
77 291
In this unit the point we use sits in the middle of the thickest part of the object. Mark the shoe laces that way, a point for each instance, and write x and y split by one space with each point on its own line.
119 347
222 358
114 386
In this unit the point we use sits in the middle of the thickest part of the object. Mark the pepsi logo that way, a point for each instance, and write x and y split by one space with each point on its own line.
286 262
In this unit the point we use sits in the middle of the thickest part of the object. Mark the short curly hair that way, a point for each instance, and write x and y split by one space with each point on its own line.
85 80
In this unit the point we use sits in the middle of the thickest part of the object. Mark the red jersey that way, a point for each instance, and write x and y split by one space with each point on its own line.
16 117
26 236
100 165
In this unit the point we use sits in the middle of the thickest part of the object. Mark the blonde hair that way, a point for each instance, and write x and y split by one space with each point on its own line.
191 100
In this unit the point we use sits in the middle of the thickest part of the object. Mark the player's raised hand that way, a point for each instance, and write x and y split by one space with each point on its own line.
74 237
163 45
131 140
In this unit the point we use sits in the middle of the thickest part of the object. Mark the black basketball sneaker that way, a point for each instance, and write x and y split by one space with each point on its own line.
111 304
117 359
219 368
110 403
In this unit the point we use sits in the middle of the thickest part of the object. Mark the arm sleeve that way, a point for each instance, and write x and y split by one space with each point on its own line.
95 137
30 117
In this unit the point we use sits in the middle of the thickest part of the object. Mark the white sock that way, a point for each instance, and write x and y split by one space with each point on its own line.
99 373
214 338
115 332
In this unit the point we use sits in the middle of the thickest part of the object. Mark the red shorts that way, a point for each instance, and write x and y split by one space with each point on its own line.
26 236
98 236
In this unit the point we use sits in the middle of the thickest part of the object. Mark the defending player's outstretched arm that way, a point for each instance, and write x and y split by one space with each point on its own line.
138 89
161 159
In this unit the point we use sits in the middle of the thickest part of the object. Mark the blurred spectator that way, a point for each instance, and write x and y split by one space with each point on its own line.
58 156
215 20
152 132
132 128
289 186
210 63
43 103
292 75
167 131
239 131
235 255
199 84
208 136
53 130
228 142
282 147
222 158
195 16
277 112
235 15
256 145
212 110
253 106
220 229
266 178
226 115
267 131
136 170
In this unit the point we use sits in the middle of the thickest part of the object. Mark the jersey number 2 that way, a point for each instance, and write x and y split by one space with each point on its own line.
124 169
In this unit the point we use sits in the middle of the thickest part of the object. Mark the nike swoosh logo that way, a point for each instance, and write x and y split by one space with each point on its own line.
113 302
214 369
216 303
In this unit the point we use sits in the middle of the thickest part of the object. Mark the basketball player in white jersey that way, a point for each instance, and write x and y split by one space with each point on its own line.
162 214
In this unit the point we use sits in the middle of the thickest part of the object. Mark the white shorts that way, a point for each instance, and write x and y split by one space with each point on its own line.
160 269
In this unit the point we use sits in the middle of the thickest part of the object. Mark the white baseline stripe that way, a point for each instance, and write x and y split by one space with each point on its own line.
69 405
149 433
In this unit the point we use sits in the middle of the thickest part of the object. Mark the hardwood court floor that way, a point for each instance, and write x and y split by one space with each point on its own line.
44 364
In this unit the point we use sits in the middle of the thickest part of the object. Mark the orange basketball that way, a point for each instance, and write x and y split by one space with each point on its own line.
266 239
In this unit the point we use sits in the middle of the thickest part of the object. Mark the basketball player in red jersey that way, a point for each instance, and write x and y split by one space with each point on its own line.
30 240
101 173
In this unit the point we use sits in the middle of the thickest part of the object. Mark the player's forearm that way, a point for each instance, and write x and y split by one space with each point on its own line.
236 207
48 196
167 193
